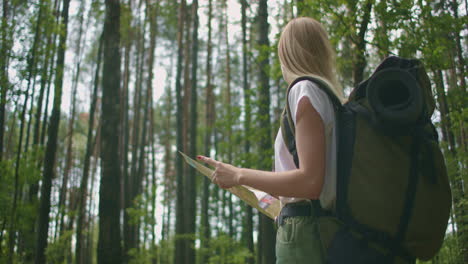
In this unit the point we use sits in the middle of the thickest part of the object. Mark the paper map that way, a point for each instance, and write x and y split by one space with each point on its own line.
263 202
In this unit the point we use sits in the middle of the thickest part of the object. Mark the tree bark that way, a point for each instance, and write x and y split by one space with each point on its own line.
190 183
247 232
153 9
4 82
267 231
125 182
51 149
205 224
179 252
109 244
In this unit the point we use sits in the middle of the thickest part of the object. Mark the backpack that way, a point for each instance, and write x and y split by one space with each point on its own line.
393 195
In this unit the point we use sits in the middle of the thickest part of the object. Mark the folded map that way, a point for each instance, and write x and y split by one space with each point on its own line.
262 201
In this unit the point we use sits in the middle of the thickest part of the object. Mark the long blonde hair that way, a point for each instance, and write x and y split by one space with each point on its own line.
305 50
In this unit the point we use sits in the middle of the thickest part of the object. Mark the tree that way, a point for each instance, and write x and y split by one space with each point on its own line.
209 121
190 182
4 82
109 244
90 143
51 149
179 253
247 232
266 232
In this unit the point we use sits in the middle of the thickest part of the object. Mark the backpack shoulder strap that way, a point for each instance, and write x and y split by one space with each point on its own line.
287 123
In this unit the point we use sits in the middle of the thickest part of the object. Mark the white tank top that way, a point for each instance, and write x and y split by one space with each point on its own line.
284 160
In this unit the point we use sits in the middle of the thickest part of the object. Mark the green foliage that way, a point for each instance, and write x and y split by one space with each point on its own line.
224 250
142 255
58 251
137 211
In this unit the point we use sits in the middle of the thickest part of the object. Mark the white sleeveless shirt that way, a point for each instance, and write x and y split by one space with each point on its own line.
284 160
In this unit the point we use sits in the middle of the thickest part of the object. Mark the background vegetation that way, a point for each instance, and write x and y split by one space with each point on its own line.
97 96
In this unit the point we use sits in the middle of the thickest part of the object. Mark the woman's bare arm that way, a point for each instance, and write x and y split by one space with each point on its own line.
305 182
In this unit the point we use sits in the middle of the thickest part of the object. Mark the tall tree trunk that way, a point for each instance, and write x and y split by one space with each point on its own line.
71 123
461 60
168 170
190 183
79 250
153 9
47 77
48 58
185 124
179 252
125 182
90 223
444 110
51 149
267 231
4 82
133 182
247 232
205 224
230 222
360 45
32 67
109 244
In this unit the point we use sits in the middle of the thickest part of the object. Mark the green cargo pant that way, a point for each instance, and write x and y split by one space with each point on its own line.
298 242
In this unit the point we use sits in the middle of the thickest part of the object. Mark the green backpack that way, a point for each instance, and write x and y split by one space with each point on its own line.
393 195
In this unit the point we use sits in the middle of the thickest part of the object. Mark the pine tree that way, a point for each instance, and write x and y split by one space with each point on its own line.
109 248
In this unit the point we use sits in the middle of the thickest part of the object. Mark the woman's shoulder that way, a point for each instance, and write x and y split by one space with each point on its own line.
318 98
305 88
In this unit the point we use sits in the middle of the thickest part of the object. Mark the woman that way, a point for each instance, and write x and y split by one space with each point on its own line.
304 49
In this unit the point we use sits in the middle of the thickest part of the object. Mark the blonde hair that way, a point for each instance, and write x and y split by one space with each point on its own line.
305 50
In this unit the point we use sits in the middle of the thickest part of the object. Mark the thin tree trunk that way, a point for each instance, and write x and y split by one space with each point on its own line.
190 183
71 123
90 223
4 82
87 160
247 232
46 108
132 186
49 161
153 9
447 132
125 188
109 244
229 218
267 231
179 252
205 225
360 59
48 58
32 70
154 246
461 60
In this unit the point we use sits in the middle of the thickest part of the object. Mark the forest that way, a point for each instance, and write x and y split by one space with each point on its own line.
97 97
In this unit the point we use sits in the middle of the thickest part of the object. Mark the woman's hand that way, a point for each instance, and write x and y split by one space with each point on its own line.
225 175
